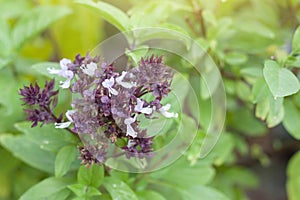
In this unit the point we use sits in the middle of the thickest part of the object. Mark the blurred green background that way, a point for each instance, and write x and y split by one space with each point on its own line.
251 159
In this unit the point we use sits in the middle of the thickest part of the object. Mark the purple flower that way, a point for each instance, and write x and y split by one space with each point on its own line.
139 147
106 104
40 102
89 156
30 94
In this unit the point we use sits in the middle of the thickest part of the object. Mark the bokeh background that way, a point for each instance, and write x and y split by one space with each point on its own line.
252 161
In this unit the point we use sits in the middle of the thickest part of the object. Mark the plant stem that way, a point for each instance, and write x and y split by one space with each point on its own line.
199 16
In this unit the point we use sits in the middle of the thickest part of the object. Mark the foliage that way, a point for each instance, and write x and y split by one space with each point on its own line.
254 43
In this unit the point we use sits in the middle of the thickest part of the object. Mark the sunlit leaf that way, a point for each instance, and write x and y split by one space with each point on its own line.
29 152
92 176
184 175
204 192
46 188
42 68
118 190
48 137
296 41
150 195
112 14
281 81
11 9
235 58
291 117
84 191
35 21
293 183
64 159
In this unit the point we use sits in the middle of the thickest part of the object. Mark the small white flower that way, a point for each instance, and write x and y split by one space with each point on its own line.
127 85
139 107
66 124
89 69
164 111
64 72
131 143
108 83
130 131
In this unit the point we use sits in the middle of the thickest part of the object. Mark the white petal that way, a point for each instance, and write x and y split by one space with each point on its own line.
62 125
147 110
127 85
53 71
131 143
164 111
64 62
69 113
113 91
120 78
130 120
169 114
166 107
139 107
65 84
131 131
107 83
67 74
89 69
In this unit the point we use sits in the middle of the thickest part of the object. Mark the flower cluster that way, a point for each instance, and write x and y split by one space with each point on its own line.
107 104
40 102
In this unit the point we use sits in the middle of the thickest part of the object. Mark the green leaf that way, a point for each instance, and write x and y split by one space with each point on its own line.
249 125
255 27
35 21
181 174
46 188
119 174
222 151
47 137
262 109
276 111
293 183
252 71
64 159
11 9
37 146
235 58
42 68
260 91
296 41
5 40
113 15
243 90
234 180
210 17
61 195
84 191
92 176
137 54
118 190
150 195
29 152
242 177
4 62
291 117
9 97
164 32
204 192
281 81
